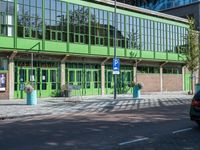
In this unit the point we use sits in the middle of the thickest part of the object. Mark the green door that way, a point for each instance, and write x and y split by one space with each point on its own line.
92 82
23 76
124 79
45 83
187 82
22 81
109 82
54 83
96 82
75 77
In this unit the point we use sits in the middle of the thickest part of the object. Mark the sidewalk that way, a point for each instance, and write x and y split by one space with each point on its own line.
10 109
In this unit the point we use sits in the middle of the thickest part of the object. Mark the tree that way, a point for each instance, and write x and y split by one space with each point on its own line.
192 50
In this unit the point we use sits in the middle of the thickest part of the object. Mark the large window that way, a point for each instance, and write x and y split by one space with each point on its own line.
172 70
6 17
148 69
78 24
56 20
99 27
138 33
132 32
147 34
120 31
29 20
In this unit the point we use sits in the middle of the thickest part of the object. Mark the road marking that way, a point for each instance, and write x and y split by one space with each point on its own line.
133 141
183 130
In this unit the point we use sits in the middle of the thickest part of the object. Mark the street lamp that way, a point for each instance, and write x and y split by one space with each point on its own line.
115 36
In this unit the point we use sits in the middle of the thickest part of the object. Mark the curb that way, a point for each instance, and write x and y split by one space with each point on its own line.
23 116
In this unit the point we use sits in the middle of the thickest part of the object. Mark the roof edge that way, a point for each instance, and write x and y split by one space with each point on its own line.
143 10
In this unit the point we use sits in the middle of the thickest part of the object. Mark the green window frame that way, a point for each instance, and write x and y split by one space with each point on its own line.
29 19
148 69
7 17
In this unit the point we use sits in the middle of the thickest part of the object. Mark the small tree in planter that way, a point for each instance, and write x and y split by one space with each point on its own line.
136 89
31 94
28 89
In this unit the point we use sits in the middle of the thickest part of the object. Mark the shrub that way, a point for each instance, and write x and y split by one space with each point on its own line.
139 85
28 88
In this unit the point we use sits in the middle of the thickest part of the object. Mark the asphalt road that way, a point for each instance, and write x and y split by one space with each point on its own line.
157 128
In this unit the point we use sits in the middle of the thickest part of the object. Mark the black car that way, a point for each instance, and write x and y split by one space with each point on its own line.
195 108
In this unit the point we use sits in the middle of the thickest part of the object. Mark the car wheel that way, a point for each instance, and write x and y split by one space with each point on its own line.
198 122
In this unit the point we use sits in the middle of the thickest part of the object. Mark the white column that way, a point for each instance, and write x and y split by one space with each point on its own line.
103 79
161 78
11 79
134 73
183 77
62 73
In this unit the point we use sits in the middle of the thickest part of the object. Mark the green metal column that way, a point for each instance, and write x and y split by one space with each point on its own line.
154 47
43 25
140 38
89 24
125 48
67 27
167 44
15 23
108 23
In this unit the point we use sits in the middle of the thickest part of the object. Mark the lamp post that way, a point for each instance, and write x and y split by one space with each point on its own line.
115 36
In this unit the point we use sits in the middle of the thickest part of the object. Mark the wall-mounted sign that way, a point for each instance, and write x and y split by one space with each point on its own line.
2 82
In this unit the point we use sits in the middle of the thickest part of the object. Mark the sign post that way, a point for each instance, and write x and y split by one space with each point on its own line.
116 71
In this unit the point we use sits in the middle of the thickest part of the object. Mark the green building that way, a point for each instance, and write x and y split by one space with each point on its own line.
72 41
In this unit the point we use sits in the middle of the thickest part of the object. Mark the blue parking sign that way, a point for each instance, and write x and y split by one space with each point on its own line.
116 66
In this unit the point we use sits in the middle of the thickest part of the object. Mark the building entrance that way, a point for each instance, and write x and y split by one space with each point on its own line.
44 79
124 80
85 76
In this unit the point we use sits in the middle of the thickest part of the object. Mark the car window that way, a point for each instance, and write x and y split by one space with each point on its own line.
197 96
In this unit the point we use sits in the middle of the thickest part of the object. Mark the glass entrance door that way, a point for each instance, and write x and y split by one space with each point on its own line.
47 84
75 77
92 82
124 79
54 83
109 82
44 83
22 82
24 76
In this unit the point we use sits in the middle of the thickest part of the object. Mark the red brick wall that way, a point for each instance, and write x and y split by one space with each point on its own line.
151 82
5 95
172 82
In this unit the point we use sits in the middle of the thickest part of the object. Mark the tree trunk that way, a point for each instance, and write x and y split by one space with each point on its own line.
199 59
199 73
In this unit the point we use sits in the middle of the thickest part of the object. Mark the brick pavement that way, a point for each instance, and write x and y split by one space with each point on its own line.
92 104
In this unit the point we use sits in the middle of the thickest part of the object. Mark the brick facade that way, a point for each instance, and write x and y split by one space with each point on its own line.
151 82
172 82
5 95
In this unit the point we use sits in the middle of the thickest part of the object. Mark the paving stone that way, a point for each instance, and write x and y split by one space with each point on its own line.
93 104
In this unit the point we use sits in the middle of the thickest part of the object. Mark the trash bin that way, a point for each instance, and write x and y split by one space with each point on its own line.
32 98
136 92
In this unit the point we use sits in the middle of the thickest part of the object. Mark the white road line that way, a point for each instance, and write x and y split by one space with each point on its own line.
183 130
133 141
